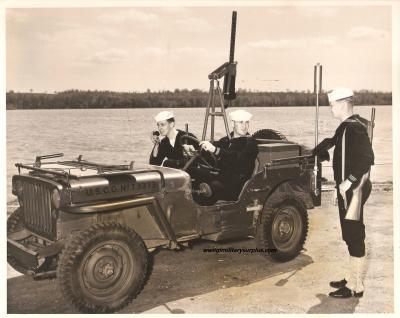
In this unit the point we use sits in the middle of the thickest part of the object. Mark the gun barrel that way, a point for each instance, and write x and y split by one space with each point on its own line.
233 38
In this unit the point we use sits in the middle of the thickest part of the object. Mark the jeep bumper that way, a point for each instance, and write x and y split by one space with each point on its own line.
25 257
27 252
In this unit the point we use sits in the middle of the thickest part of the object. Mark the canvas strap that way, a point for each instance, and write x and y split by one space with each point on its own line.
343 162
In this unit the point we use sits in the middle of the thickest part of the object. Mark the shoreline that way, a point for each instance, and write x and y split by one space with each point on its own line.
191 107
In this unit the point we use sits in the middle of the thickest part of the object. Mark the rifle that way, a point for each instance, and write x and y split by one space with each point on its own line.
354 208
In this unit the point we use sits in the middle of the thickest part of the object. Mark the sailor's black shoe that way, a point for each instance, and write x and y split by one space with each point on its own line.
345 292
338 283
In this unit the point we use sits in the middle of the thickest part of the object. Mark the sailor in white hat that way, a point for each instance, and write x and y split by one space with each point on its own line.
241 122
236 157
352 159
240 115
341 101
169 147
340 93
164 115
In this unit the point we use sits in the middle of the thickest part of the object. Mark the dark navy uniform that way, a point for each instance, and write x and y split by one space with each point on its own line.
236 161
359 157
174 155
236 158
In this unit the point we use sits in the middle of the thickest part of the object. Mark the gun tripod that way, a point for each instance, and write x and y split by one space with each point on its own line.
213 94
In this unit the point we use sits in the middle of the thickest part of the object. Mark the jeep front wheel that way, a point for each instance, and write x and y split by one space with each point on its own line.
103 268
15 224
282 230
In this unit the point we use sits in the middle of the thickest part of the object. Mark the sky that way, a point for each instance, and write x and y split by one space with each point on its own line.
164 48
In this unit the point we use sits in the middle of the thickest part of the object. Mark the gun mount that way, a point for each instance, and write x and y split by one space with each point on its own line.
228 94
228 69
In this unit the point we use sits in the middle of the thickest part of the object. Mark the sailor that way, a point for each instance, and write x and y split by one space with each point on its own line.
236 157
358 158
168 148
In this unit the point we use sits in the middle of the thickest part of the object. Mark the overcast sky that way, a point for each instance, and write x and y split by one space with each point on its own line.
132 49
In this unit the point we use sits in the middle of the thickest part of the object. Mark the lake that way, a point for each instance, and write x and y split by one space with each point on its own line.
119 136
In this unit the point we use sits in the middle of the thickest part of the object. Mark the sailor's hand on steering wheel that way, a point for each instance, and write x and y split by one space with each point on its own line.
210 161
207 146
188 150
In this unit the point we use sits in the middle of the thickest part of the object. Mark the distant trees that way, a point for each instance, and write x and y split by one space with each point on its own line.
178 98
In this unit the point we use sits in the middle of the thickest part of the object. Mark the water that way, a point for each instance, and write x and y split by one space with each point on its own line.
122 135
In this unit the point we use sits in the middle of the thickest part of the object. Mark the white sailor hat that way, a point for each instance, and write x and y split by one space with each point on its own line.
164 115
240 115
339 93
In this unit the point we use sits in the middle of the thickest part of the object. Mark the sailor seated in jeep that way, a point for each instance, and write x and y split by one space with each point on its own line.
235 161
169 148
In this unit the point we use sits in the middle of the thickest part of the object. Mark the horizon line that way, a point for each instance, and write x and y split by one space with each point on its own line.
32 91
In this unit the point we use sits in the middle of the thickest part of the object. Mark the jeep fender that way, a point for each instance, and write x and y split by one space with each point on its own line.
289 190
144 215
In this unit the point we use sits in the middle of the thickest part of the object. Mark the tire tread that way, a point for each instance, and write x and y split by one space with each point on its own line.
76 246
263 237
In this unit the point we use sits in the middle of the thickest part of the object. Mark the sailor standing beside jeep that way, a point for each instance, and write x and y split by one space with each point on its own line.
169 148
352 159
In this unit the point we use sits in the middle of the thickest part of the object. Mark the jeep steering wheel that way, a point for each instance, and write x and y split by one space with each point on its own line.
199 156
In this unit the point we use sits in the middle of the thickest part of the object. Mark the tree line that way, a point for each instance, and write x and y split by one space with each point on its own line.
178 98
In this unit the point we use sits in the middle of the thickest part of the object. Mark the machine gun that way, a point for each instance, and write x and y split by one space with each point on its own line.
225 97
228 69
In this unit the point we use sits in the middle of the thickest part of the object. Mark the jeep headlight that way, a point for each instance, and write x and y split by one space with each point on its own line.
56 198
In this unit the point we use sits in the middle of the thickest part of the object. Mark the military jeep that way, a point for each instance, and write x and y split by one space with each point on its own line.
94 226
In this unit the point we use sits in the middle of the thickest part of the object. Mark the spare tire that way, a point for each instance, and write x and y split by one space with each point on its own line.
276 135
269 134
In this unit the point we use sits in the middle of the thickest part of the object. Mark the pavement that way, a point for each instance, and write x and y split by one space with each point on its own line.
191 281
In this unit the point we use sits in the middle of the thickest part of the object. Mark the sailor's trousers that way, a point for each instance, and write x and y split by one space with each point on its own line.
353 232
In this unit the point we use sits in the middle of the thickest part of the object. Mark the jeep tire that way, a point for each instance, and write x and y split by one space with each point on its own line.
14 221
282 231
15 224
269 134
276 135
103 268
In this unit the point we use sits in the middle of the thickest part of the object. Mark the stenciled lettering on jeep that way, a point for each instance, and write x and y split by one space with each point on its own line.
110 189
151 185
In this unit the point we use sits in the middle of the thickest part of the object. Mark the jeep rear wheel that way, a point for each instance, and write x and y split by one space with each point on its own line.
283 229
103 268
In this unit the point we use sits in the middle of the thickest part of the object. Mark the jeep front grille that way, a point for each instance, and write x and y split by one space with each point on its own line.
37 207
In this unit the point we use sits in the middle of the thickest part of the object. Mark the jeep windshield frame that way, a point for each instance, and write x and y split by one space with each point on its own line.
102 170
